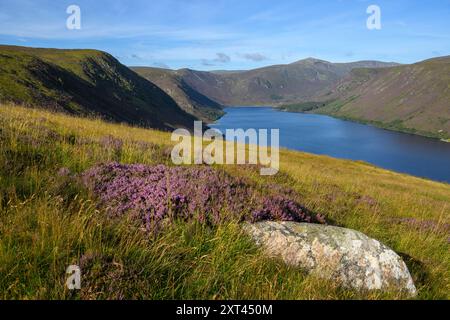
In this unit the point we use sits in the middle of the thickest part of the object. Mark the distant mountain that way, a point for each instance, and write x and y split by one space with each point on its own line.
274 84
189 99
411 98
226 71
85 82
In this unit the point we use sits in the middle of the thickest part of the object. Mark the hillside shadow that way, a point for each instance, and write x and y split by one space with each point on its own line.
417 268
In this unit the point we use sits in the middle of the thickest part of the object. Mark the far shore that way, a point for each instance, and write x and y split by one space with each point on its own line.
380 126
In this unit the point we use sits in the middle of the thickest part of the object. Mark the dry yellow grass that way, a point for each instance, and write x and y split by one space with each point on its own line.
43 230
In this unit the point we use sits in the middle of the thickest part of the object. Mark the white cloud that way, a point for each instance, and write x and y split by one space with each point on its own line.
222 58
253 56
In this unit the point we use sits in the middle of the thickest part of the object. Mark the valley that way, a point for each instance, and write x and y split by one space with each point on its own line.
72 120
224 158
408 98
412 98
325 135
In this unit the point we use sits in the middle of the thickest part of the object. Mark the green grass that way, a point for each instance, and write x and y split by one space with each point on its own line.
48 222
302 107
85 83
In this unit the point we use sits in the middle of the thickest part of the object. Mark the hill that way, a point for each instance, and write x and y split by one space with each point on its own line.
411 98
190 100
271 85
85 82
49 220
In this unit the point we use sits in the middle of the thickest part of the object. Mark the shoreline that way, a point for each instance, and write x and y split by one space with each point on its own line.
399 170
375 124
359 121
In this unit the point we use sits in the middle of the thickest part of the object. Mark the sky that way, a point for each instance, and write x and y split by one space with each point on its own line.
233 34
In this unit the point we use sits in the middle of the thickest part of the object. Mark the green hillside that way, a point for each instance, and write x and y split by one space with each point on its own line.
85 82
189 99
410 98
49 220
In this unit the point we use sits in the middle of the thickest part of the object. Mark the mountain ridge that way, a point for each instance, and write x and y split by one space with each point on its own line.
411 98
85 82
186 97
274 84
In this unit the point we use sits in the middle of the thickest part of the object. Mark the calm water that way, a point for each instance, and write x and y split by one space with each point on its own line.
320 134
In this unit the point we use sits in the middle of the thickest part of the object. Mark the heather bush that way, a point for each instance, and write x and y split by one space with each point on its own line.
48 221
156 195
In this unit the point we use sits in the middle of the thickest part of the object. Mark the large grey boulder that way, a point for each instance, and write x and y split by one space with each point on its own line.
343 255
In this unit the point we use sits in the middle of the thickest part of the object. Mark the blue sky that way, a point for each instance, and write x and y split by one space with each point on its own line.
231 34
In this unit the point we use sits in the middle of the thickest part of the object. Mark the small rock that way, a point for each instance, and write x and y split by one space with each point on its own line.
347 256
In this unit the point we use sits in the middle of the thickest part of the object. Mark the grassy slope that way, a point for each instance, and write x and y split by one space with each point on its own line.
48 222
85 82
187 98
413 98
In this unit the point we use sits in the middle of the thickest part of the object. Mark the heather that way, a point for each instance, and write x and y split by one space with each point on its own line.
49 217
160 194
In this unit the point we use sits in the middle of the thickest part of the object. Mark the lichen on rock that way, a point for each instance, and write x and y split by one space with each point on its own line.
347 256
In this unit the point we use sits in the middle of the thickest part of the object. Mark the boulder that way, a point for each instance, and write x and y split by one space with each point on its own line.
347 256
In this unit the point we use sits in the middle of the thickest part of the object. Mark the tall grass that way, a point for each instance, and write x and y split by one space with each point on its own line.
48 221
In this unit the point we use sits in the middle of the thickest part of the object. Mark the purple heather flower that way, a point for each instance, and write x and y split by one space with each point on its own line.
160 193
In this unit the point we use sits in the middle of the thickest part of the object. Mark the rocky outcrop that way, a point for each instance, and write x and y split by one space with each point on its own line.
347 256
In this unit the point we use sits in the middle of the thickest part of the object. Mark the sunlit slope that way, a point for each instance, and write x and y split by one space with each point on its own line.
186 97
412 98
85 82
48 222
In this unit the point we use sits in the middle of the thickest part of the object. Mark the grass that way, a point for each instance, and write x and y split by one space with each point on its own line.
302 107
49 221
85 83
